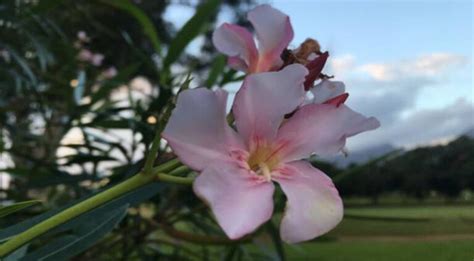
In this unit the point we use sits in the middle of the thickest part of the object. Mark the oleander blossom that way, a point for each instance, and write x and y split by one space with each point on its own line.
274 33
238 167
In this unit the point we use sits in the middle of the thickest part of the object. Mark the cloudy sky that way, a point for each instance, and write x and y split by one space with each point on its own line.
409 63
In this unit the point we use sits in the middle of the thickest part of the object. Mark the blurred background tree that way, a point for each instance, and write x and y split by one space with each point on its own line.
84 87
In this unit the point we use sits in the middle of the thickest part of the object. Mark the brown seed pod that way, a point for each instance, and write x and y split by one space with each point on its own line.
306 48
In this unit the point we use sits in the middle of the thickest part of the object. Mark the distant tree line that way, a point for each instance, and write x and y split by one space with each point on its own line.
444 169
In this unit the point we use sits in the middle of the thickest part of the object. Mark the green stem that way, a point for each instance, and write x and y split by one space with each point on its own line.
180 170
126 186
167 166
172 179
150 159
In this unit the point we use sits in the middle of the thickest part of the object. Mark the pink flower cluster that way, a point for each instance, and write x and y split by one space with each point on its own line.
87 56
276 128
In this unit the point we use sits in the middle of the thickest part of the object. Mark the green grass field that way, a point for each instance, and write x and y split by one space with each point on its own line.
384 251
396 233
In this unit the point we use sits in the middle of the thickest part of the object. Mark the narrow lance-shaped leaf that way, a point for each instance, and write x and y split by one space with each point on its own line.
278 243
17 254
66 247
216 70
190 30
7 210
130 198
141 17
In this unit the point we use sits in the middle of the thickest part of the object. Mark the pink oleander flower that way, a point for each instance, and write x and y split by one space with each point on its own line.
238 168
274 33
109 73
97 59
85 55
82 36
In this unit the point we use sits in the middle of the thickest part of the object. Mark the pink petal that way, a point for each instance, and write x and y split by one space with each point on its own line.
321 129
315 68
236 63
198 131
265 98
239 201
313 207
236 42
338 100
85 55
97 59
327 90
274 33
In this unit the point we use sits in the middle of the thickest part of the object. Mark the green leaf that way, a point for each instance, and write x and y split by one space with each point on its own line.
190 30
111 124
85 158
7 210
141 17
217 69
227 77
22 63
79 90
131 198
68 246
17 254
273 231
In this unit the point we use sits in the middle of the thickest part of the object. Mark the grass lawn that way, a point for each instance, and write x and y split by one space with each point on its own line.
428 233
434 212
419 221
383 251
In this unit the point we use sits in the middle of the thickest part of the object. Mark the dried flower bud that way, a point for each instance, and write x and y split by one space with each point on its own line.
308 47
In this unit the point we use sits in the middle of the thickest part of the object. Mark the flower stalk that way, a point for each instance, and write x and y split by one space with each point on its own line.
101 198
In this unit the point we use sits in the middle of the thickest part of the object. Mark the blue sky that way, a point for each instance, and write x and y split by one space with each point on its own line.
384 29
389 31
409 63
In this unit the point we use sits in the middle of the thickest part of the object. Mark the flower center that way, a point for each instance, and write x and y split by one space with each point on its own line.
263 160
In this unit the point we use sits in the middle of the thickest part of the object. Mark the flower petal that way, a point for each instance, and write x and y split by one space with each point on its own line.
274 34
240 201
237 64
197 130
236 42
313 207
338 100
315 68
326 90
321 129
265 98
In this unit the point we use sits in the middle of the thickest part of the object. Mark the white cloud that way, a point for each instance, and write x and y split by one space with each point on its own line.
422 127
423 66
433 64
342 65
380 72
390 91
